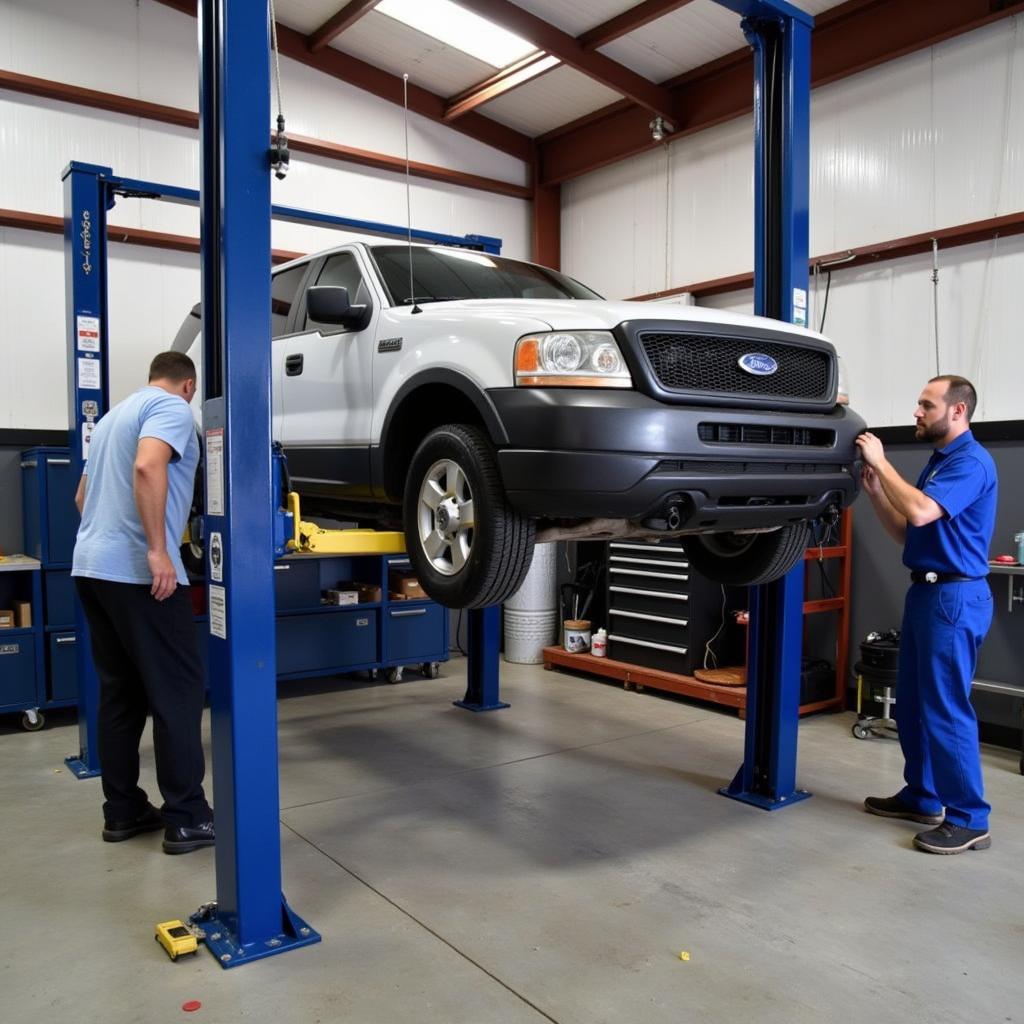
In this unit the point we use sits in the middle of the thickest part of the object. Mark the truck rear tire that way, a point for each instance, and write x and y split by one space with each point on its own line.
747 559
468 546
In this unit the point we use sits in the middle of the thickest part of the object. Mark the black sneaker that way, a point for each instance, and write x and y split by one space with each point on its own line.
950 838
894 807
149 821
184 840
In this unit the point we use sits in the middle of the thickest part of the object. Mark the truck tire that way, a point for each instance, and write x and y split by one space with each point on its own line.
747 559
468 546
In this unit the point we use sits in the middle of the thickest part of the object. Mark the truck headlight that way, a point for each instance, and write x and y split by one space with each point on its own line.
843 391
570 359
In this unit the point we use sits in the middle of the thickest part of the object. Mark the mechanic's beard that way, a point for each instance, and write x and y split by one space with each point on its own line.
936 432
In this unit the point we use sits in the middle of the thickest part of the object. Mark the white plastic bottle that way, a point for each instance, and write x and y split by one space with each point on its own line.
599 644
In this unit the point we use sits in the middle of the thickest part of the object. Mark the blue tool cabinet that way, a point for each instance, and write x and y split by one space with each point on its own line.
38 666
317 639
21 648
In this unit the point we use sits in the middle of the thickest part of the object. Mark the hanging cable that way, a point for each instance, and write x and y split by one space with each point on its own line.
824 307
279 155
935 300
709 654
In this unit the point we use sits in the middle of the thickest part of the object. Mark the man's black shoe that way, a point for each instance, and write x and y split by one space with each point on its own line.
894 807
149 821
184 840
950 838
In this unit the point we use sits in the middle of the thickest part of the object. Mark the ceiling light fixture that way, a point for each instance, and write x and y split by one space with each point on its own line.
456 26
660 128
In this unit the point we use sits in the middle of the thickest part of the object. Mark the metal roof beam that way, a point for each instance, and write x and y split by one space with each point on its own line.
628 21
519 73
338 22
569 50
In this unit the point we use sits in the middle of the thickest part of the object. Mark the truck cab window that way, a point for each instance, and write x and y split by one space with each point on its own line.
284 285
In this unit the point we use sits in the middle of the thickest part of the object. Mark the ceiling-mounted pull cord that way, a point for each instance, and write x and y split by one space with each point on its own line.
935 300
279 155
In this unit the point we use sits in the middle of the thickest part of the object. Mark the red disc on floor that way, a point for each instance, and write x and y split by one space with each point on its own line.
191 1006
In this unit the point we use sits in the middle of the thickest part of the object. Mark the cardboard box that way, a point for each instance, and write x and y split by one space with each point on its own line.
23 614
365 592
405 584
341 597
6 618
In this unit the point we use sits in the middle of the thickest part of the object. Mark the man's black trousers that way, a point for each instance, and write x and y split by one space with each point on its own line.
147 659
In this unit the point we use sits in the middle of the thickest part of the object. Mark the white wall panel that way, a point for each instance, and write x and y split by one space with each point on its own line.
881 321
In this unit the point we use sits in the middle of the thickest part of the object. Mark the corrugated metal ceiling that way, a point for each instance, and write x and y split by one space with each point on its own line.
686 38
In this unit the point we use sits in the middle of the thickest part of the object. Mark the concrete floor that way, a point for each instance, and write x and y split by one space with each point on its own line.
544 863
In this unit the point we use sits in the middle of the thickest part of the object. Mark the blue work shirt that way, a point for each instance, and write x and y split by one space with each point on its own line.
111 542
962 479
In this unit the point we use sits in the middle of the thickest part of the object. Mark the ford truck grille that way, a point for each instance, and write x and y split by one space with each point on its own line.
702 364
757 433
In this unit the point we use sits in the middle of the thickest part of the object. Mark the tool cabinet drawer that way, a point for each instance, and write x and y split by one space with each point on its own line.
414 632
661 579
631 598
62 668
48 504
665 554
657 628
297 584
322 641
59 589
17 670
649 653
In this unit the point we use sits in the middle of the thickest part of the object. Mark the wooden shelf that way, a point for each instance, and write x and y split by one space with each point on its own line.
735 696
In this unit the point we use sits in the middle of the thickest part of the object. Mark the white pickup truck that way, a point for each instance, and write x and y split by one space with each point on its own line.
488 403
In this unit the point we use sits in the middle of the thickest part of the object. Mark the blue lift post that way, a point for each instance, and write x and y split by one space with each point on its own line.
251 918
781 38
482 664
85 273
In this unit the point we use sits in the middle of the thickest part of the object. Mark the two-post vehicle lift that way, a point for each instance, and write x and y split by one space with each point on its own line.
251 918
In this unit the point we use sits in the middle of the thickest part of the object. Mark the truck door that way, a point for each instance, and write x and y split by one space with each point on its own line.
327 388
284 286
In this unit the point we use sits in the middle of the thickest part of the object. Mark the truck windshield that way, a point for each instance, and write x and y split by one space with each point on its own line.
443 275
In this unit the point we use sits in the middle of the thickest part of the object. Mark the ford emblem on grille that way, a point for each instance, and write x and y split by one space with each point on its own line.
758 364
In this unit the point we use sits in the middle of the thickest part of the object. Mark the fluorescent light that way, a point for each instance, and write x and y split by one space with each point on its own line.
460 28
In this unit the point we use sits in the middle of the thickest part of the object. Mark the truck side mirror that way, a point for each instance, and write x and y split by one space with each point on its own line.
329 304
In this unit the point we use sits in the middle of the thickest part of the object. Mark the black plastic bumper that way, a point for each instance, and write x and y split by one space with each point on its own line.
579 454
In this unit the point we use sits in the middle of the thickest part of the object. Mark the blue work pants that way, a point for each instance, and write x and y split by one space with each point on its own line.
943 627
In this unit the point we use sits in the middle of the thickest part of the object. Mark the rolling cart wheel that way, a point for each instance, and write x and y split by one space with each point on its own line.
395 674
33 721
430 669
862 732
372 674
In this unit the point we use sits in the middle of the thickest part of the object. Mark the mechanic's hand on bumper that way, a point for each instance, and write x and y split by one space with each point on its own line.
165 576
871 449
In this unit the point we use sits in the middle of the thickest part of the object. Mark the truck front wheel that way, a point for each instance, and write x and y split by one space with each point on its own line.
469 547
747 559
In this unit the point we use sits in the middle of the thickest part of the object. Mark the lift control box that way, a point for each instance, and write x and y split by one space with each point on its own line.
177 938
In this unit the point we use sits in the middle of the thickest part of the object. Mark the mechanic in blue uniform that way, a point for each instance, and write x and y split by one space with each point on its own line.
945 524
134 498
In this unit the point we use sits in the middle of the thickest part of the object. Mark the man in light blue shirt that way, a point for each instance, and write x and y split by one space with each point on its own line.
134 497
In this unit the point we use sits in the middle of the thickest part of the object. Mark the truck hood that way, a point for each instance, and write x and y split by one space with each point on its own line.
591 314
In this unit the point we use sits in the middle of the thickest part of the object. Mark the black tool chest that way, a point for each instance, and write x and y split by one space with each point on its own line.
661 615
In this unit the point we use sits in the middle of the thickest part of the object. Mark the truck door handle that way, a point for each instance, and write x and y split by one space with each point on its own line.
293 365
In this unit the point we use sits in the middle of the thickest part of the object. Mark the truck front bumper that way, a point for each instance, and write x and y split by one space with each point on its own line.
577 454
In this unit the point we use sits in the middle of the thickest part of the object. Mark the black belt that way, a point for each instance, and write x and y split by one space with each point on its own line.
941 577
